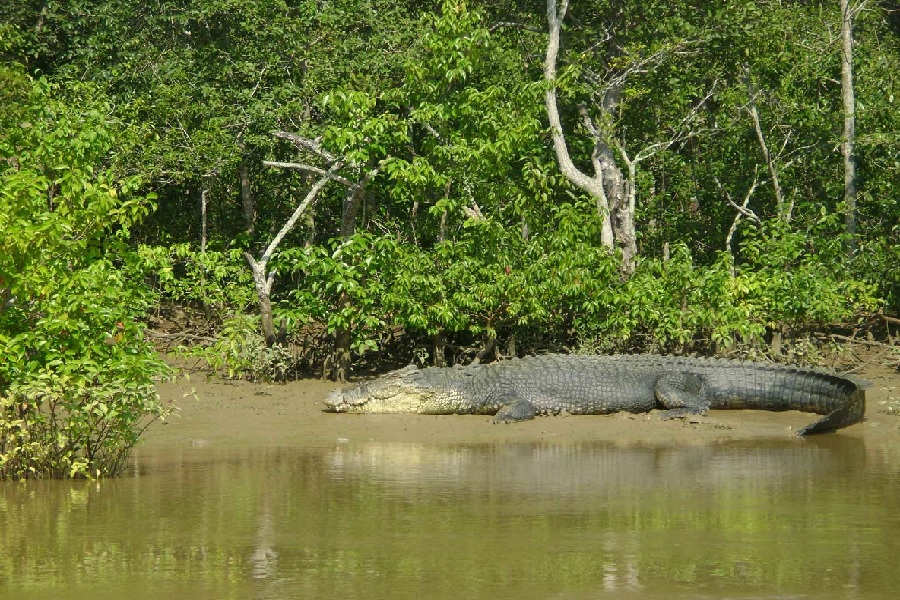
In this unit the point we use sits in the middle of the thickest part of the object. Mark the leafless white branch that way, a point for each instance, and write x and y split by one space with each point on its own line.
306 144
310 169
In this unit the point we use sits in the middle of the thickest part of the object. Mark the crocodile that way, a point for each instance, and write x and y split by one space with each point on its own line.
521 388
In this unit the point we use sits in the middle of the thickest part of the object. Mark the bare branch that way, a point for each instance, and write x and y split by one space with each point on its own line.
861 7
513 25
306 144
640 65
598 139
273 245
767 155
310 169
474 212
588 122
434 133
606 37
566 165
742 210
699 104
651 150
684 132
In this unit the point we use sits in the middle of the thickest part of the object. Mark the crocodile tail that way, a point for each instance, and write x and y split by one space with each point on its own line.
852 411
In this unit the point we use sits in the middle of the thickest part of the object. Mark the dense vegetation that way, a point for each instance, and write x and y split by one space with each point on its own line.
155 158
76 374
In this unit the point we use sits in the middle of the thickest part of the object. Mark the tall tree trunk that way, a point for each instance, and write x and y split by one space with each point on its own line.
352 203
439 349
247 198
613 192
265 312
623 220
848 138
203 196
619 190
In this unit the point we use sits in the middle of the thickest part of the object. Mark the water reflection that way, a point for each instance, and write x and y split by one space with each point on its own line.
799 518
591 468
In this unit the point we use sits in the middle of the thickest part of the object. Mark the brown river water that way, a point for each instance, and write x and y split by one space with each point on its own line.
254 493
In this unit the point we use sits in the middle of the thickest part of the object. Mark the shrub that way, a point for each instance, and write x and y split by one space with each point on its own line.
76 375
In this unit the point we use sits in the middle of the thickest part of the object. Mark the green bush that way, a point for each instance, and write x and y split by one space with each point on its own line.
340 286
240 351
560 290
76 374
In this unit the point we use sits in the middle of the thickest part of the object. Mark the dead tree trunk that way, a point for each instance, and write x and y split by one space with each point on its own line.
623 217
203 196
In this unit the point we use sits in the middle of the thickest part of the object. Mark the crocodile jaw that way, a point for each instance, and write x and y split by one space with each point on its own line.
383 401
400 391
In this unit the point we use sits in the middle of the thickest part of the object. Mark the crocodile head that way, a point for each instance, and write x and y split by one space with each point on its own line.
403 391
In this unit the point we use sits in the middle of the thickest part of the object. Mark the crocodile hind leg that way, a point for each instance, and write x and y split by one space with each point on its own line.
515 409
682 394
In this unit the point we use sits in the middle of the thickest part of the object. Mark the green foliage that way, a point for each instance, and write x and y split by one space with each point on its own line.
569 290
453 290
791 285
474 121
217 281
240 351
340 286
364 133
677 305
76 375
